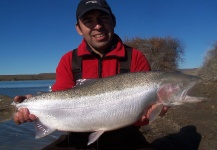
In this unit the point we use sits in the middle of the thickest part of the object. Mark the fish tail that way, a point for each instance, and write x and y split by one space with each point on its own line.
6 113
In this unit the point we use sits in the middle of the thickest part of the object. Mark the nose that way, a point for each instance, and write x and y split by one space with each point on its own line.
98 24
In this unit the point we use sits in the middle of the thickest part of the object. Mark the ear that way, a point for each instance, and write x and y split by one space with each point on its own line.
114 19
78 29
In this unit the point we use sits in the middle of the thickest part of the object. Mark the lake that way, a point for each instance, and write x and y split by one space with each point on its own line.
22 137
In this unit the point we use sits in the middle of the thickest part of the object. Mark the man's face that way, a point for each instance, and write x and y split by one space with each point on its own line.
97 28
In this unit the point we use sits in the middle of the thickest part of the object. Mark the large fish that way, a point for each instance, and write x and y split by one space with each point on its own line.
109 103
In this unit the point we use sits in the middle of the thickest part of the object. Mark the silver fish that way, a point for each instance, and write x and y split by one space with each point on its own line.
108 103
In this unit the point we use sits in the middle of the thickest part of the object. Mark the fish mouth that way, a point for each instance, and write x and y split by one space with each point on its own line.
189 86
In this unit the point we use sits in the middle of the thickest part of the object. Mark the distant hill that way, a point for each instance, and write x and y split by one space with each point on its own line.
193 71
41 76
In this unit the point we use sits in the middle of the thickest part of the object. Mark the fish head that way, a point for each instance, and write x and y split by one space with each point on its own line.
173 88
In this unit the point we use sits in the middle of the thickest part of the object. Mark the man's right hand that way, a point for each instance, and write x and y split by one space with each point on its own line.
23 115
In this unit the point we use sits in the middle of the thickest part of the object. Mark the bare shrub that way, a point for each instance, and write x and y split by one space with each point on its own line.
208 71
162 53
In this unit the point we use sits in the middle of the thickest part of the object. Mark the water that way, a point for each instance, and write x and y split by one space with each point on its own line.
22 137
14 88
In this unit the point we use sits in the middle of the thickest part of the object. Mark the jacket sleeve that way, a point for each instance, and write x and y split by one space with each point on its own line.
64 77
139 63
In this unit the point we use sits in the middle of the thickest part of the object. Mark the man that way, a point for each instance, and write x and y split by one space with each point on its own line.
101 52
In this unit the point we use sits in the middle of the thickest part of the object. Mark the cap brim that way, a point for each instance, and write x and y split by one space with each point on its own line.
92 8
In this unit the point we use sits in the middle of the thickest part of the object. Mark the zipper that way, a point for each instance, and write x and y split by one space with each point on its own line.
100 67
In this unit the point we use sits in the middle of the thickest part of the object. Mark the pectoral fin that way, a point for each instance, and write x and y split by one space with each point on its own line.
155 111
42 130
94 136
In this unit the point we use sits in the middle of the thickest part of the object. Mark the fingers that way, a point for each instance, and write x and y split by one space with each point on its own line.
154 111
32 117
20 99
18 117
29 95
144 118
150 109
23 115
164 111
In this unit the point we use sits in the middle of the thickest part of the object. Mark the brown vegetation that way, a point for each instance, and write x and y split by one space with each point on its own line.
208 71
163 54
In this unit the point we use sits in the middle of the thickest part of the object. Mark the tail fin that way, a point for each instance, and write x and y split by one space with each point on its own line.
6 113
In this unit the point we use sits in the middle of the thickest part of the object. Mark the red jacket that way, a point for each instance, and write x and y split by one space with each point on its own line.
91 64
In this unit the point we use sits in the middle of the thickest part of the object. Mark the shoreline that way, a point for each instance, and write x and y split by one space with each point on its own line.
41 76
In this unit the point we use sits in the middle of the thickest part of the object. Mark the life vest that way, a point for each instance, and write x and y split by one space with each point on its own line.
125 63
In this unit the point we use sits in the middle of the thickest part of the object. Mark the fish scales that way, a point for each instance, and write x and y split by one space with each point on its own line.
85 114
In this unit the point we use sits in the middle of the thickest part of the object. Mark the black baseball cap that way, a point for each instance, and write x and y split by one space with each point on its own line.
87 5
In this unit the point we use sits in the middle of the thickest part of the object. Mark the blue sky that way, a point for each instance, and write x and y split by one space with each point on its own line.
34 34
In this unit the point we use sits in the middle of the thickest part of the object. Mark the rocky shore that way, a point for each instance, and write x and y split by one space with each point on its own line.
191 127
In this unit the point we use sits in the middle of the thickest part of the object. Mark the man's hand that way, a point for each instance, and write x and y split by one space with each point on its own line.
23 115
144 120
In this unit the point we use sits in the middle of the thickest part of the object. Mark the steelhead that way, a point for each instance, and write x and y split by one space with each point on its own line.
106 104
